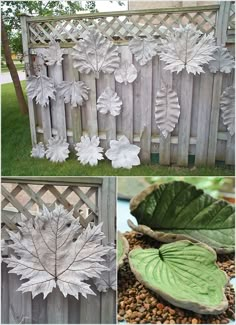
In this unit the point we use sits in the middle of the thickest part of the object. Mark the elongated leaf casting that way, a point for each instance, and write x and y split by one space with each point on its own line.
88 151
109 102
54 251
123 154
94 53
41 88
227 106
107 279
57 149
184 274
38 151
167 110
178 210
53 54
223 61
123 249
73 92
127 73
143 49
186 48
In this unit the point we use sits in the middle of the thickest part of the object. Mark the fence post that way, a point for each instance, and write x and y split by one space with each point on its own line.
27 61
221 38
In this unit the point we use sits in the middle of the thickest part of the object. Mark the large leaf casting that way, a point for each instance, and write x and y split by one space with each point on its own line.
167 110
52 251
41 88
178 210
143 49
108 278
183 273
57 149
95 53
74 92
53 54
223 61
186 48
227 106
109 102
123 249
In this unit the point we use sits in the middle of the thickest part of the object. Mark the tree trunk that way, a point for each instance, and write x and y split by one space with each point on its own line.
13 71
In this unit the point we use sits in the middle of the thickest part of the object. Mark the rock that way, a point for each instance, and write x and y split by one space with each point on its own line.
147 306
121 312
194 321
160 306
172 321
171 311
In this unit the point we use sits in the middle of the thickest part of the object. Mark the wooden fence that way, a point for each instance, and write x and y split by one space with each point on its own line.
20 196
200 131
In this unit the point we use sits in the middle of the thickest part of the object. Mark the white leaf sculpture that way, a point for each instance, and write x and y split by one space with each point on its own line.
53 54
57 149
53 251
143 49
227 105
41 88
108 278
88 151
123 154
186 48
38 151
223 61
127 73
167 110
74 92
109 102
94 53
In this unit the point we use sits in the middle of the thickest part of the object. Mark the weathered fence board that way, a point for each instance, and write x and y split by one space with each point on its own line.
137 119
99 199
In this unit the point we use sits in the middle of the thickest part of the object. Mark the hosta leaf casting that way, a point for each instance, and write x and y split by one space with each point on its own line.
186 48
88 151
178 210
123 249
108 278
184 274
57 149
109 102
53 54
127 73
41 88
53 251
123 154
143 49
38 151
227 106
223 61
73 92
94 53
167 110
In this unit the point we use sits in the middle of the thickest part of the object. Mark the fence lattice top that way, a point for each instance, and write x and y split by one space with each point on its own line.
119 26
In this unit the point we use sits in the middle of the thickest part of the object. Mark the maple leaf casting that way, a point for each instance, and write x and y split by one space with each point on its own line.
41 88
52 250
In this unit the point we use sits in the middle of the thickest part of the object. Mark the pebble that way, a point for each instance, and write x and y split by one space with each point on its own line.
138 305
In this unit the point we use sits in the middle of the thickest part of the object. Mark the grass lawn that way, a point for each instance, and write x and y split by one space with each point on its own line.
16 147
19 67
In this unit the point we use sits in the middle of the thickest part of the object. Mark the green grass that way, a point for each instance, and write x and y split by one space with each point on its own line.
19 67
16 147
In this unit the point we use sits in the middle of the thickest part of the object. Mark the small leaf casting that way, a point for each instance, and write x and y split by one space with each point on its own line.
127 73
41 88
38 151
227 106
167 110
143 49
53 251
186 48
74 92
109 102
88 151
223 61
94 53
53 55
57 149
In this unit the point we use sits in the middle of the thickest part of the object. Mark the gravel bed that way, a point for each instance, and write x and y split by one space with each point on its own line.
138 305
